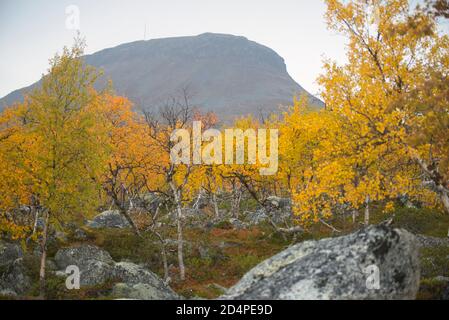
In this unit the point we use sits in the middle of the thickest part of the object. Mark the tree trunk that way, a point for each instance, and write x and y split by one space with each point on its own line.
196 205
215 204
235 205
43 257
434 175
182 272
354 216
165 263
164 256
130 221
36 220
445 200
367 201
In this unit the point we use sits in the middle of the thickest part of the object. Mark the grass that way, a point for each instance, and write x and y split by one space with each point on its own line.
432 289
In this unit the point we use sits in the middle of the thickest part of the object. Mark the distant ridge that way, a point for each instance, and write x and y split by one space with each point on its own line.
227 74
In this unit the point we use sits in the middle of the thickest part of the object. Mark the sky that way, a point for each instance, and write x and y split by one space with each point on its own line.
31 32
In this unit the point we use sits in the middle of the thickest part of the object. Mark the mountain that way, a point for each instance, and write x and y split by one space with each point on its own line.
227 74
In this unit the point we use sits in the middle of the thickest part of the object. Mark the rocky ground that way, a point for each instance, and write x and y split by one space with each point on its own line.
241 259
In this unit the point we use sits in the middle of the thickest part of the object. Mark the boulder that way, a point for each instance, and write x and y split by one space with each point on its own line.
9 252
109 219
277 215
80 235
140 283
277 209
256 217
14 279
7 293
279 203
237 224
13 276
96 265
96 272
132 273
338 268
80 255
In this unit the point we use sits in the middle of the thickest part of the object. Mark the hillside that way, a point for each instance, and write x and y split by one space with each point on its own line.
226 74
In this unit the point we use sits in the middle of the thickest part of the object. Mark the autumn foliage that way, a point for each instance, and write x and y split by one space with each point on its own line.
69 149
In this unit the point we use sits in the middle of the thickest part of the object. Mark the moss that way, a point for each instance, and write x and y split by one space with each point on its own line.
56 290
424 221
125 245
225 225
248 205
435 262
433 289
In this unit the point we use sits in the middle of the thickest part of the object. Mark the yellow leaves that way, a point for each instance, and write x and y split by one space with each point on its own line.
12 230
362 151
389 207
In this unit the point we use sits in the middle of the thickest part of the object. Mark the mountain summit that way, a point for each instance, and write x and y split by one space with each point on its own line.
227 74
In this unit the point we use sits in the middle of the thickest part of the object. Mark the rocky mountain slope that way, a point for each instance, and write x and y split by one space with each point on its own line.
227 74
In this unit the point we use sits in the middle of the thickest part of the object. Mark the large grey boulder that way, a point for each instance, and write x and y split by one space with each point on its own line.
338 268
277 215
96 265
14 279
109 219
279 203
9 252
140 283
277 209
80 255
257 217
132 273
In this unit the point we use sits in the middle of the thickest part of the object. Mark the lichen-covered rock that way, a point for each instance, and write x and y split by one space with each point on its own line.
7 293
338 268
279 203
237 224
140 283
96 265
256 217
109 219
14 279
96 272
277 209
80 235
80 255
9 252
132 273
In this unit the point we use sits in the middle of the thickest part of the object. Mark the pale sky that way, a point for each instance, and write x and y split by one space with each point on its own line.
33 31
